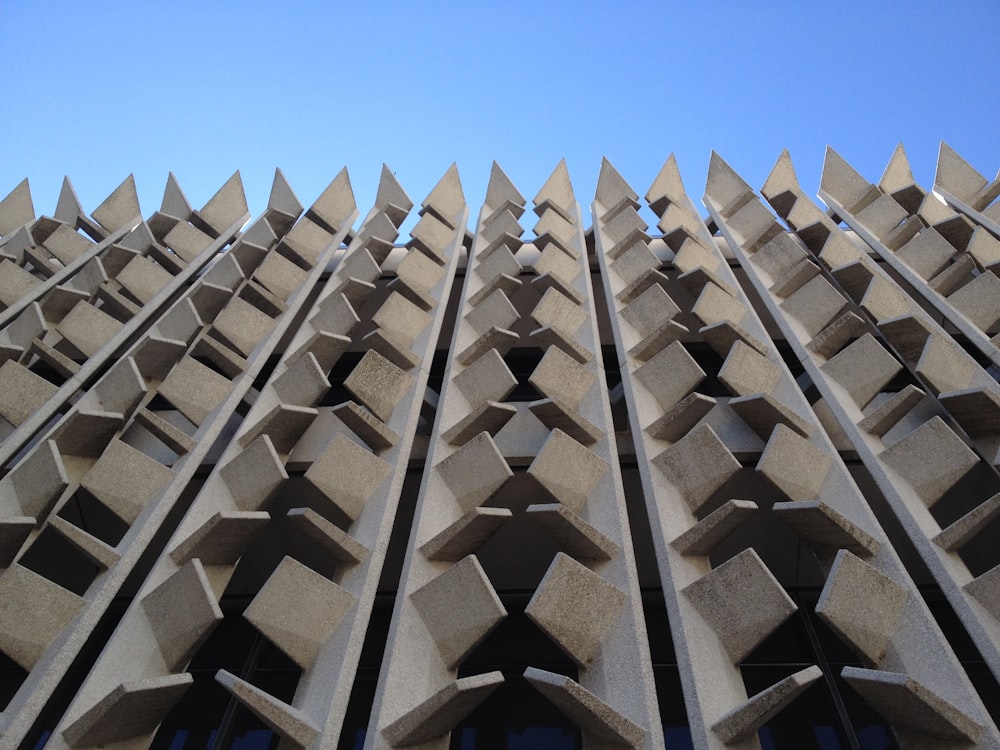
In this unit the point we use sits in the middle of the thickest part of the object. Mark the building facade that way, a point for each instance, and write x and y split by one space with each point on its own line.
635 474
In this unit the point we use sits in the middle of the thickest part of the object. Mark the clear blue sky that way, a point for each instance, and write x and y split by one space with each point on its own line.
97 90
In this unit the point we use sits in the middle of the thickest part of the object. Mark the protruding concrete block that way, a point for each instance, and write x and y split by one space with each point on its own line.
961 531
650 310
556 263
742 602
740 723
283 423
22 392
556 310
347 475
16 209
297 609
927 253
634 262
88 329
552 228
378 384
242 326
446 198
125 480
437 715
222 539
486 379
100 553
826 530
366 426
721 337
862 369
86 432
459 608
143 278
714 305
466 535
495 310
571 533
702 538
489 416
556 193
336 542
681 418
697 465
194 389
944 365
560 376
335 314
431 236
862 605
254 475
652 277
814 304
33 612
401 318
658 340
979 301
794 465
35 483
302 384
500 262
831 339
496 338
930 459
418 274
182 612
909 704
549 336
977 410
475 471
567 470
576 607
762 413
670 375
15 282
746 372
288 722
555 413
133 709
227 205
586 710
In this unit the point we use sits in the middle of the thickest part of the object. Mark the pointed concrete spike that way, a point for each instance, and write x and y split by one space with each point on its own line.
347 475
437 715
698 465
288 722
557 192
586 710
33 612
612 187
175 203
841 180
703 537
298 609
336 203
68 208
282 198
744 720
446 198
742 602
667 187
931 459
862 605
227 205
724 186
391 193
576 607
120 207
182 612
459 609
464 536
909 704
16 209
567 470
222 539
475 471
782 178
500 191
897 174
133 709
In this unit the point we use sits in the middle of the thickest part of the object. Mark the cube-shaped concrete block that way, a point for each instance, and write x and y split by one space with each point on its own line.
744 720
254 475
863 368
495 310
487 379
475 471
182 612
930 459
567 470
459 609
746 372
650 310
670 375
196 390
33 612
576 607
378 384
794 465
697 465
347 475
742 602
125 480
401 318
556 310
862 605
298 609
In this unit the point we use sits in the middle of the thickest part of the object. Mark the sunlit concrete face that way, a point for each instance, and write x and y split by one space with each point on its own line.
639 474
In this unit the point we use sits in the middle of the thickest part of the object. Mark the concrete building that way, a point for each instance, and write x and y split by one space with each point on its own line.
539 475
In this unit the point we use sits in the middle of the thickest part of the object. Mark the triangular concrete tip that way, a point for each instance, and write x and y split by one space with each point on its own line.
836 171
897 174
174 202
68 208
557 189
282 197
231 190
723 185
782 177
447 196
611 186
390 192
667 183
336 203
17 208
119 207
501 189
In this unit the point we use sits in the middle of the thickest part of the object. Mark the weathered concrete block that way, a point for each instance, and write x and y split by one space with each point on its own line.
697 465
499 339
985 589
486 379
927 253
658 340
254 475
489 416
22 392
762 413
979 301
741 723
670 375
475 471
814 304
36 481
977 410
930 459
222 539
863 368
714 305
182 612
33 612
721 337
14 531
560 376
567 470
378 384
794 465
347 475
242 326
555 413
746 372
635 262
826 530
548 336
555 262
87 328
652 277
366 426
289 723
98 552
555 310
702 538
944 365
650 310
832 339
681 418
495 310
571 533
500 261
125 480
466 535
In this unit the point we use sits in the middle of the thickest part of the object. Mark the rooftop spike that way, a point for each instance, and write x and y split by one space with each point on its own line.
501 192
612 187
391 193
282 197
446 198
557 192
667 187
119 208
897 174
175 203
782 178
16 209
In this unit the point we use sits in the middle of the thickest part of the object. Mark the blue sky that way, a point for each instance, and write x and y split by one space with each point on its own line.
98 90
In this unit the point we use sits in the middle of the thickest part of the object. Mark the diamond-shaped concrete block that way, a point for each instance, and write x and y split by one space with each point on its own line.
495 310
486 379
670 375
125 480
576 607
182 612
401 318
862 369
714 305
87 328
194 389
569 471
475 471
742 602
930 459
814 304
862 605
347 475
554 261
697 465
378 384
746 372
794 465
254 475
459 608
650 310
33 611
944 365
298 609
556 310
242 326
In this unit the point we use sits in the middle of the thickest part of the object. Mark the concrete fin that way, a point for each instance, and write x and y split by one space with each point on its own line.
496 338
959 178
832 339
336 204
487 379
569 471
182 612
722 335
98 552
781 179
658 340
879 420
571 533
841 181
282 198
437 715
391 193
961 531
586 710
744 720
979 301
366 426
88 328
794 465
291 724
466 535
475 471
561 377
555 413
703 537
742 602
325 347
501 192
401 319
280 276
119 208
825 529
174 202
576 607
667 187
347 475
554 228
121 389
680 419
909 704
222 539
501 229
762 413
378 384
298 609
930 459
306 241
125 480
227 205
612 187
862 605
254 475
133 709
697 465
446 198
897 174
670 375
336 542
68 208
724 186
944 365
16 209
557 192
33 612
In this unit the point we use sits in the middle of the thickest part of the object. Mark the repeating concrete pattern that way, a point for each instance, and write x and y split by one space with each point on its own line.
197 410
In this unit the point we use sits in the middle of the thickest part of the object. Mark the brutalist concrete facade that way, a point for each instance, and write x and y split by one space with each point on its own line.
635 474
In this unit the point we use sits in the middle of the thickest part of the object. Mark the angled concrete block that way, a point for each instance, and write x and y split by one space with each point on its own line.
681 418
954 276
67 245
826 530
289 723
567 470
862 605
927 253
446 198
703 537
697 279
634 262
832 339
549 336
650 310
571 533
222 539
103 555
87 432
986 590
366 426
721 337
714 305
431 236
909 704
499 339
553 228
14 531
979 301
965 528
33 612
794 465
187 242
401 318
762 413
125 480
778 255
495 310
742 602
814 304
347 475
744 720
576 607
944 365
419 274
984 249
746 372
298 609
501 192
555 414
475 471
336 542
360 265
378 384
505 282
133 709
304 383
697 465
489 416
658 340
652 277
437 715
586 710
466 535
930 459
143 278
670 375
182 612
560 376
556 263
863 368
487 379
459 608
227 205
283 423
16 209
87 328
254 475
500 262
977 410
394 348
556 310
242 326
37 480
22 392
15 282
